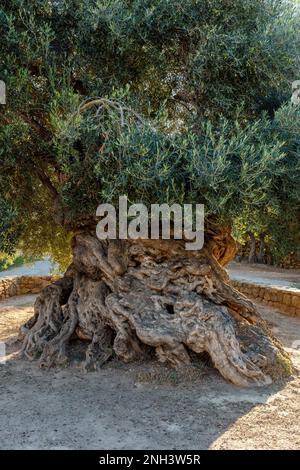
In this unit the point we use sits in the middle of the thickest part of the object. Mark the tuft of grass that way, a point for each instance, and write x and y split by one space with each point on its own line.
18 261
167 376
282 367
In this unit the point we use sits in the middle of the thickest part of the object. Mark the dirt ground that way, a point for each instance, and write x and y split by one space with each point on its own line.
141 406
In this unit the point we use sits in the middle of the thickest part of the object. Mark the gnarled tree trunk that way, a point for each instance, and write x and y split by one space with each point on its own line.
131 298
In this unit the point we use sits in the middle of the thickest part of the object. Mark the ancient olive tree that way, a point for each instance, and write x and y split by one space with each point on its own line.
166 102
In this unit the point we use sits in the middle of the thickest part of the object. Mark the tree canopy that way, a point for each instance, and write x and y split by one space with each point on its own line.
162 100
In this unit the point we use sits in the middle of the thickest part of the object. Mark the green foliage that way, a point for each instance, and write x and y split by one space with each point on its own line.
280 215
5 261
9 231
13 261
210 80
47 239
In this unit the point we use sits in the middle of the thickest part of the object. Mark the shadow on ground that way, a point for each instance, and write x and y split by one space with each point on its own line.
136 406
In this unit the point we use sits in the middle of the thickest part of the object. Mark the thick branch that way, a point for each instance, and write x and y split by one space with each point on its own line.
46 181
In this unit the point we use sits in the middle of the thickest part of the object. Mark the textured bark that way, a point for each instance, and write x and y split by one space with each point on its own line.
262 248
137 297
252 253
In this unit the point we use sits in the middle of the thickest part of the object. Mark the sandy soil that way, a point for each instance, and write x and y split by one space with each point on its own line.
141 406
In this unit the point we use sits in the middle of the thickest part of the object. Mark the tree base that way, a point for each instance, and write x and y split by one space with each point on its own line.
132 298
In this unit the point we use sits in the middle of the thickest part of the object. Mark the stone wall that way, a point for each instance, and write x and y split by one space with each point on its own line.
286 300
23 285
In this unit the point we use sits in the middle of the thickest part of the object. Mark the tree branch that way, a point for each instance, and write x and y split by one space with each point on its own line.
45 180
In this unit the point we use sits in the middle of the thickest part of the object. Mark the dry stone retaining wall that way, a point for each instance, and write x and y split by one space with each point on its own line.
287 300
23 285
